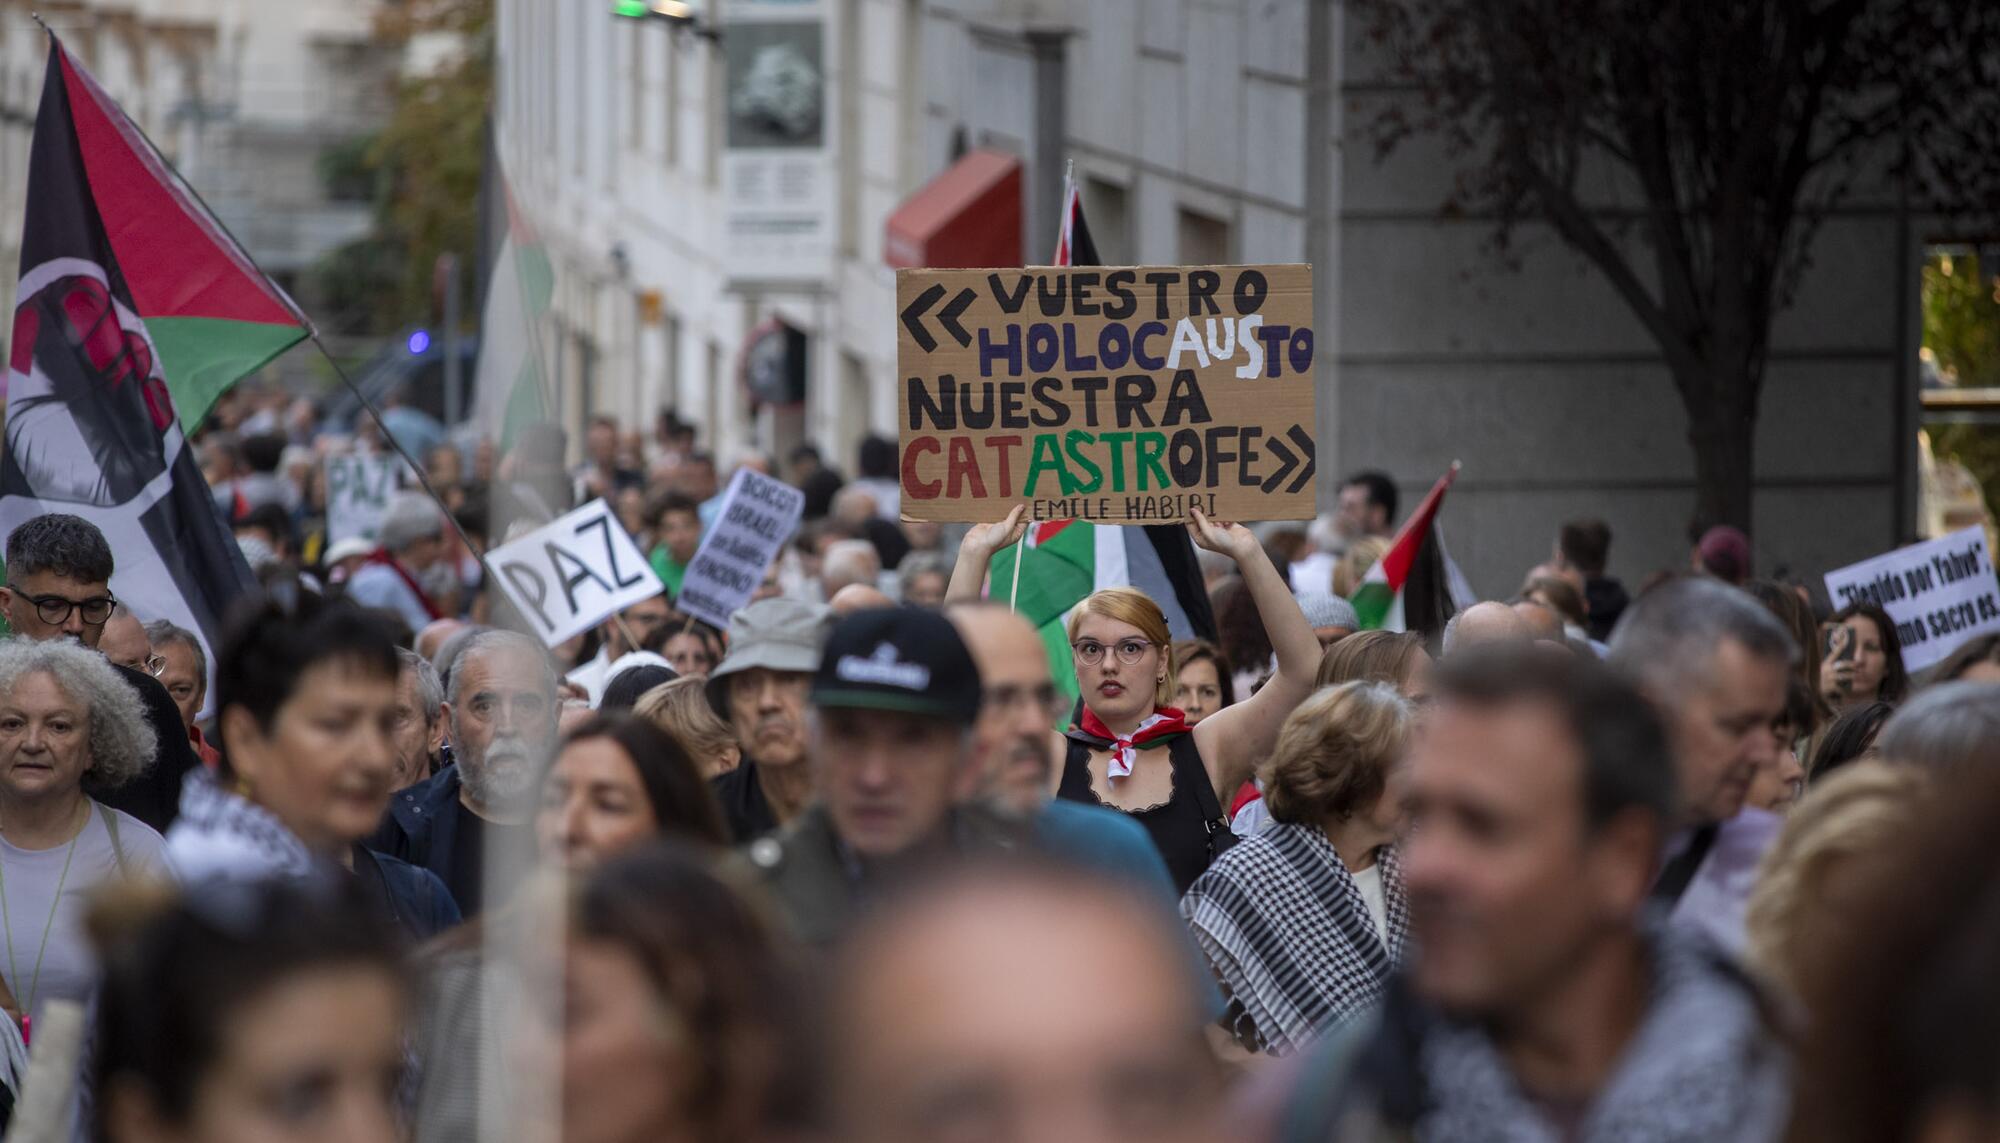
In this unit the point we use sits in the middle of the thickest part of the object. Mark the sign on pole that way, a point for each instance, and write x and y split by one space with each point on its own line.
757 516
1939 593
358 489
1129 395
573 572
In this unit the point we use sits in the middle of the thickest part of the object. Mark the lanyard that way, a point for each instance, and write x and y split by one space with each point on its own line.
7 920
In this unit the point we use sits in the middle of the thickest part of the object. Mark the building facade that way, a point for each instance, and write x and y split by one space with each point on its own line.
246 99
1200 130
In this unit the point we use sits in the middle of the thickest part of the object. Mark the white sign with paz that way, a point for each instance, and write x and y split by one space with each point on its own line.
573 572
358 489
757 516
1940 593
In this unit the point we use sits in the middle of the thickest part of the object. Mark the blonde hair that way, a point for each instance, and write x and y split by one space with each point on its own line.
1134 608
1858 812
680 708
1335 751
1353 567
1369 657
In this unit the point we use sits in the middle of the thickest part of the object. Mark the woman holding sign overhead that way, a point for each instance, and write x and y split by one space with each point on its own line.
1124 747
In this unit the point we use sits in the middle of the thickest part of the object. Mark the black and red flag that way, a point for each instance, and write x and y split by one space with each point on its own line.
133 301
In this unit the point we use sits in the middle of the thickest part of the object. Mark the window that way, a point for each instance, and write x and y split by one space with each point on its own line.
674 397
635 102
1204 241
853 413
1107 209
721 411
670 76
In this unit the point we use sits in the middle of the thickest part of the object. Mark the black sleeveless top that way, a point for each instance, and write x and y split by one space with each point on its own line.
1175 825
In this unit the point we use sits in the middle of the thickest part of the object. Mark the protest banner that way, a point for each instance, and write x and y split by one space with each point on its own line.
573 572
1939 593
757 516
1130 395
358 489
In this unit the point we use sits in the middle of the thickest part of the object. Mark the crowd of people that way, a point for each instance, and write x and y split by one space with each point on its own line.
1700 861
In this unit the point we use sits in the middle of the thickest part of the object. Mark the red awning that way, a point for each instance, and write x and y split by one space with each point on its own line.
967 217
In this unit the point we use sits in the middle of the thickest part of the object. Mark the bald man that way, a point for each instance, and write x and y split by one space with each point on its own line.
124 640
1484 623
434 634
858 597
1018 1005
1542 622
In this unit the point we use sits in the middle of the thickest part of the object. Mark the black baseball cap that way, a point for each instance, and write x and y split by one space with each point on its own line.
902 659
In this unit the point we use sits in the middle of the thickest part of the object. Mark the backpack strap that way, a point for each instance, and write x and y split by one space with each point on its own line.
110 817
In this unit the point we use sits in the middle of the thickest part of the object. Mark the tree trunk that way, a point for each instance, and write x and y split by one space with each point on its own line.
1722 428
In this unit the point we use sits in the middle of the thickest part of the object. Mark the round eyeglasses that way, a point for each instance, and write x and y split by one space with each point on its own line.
1090 652
54 609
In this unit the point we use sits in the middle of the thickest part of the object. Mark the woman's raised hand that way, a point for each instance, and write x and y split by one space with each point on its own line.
1224 538
989 540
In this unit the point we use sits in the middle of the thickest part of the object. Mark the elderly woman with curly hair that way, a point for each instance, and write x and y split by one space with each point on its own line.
70 727
1303 923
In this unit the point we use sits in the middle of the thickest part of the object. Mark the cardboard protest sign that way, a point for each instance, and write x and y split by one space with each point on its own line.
757 516
573 572
1126 395
1939 593
358 489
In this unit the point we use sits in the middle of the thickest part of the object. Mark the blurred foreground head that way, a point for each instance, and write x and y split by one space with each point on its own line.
268 1011
676 1014
1539 798
1016 1004
1906 1004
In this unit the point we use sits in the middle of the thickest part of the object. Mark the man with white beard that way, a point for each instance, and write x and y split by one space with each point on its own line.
478 813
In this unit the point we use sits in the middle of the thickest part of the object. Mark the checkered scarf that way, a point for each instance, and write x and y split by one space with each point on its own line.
1289 936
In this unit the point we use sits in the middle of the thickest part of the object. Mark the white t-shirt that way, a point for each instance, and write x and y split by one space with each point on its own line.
1369 881
29 879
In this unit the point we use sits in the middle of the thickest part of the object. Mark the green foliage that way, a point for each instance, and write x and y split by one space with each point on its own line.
1962 335
1962 319
425 166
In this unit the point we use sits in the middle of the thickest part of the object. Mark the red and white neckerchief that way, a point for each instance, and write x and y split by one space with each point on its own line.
1164 722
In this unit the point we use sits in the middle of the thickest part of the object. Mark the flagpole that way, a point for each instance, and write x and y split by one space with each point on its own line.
1020 550
423 479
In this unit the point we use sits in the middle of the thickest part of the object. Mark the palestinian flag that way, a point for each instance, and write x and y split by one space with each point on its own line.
511 391
1378 602
134 309
1065 560
1062 561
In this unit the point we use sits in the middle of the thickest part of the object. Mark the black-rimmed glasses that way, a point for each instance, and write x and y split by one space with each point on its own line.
54 609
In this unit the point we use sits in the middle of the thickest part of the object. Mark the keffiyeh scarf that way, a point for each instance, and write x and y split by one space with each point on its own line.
1159 728
1289 936
225 836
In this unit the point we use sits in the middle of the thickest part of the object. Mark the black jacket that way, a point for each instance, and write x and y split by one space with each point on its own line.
811 884
154 797
421 826
411 897
1605 599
